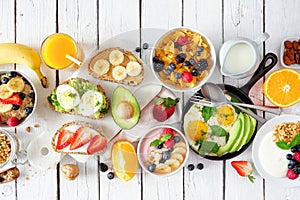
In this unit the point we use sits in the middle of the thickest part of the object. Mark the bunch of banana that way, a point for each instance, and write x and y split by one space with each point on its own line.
24 55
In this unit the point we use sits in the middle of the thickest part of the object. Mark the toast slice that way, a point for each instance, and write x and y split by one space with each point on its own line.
79 137
78 91
109 62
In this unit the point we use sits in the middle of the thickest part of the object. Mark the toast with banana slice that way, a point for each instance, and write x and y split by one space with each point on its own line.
79 138
79 97
117 65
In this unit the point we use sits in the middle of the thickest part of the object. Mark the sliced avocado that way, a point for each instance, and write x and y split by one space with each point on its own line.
125 108
253 123
241 135
234 134
247 131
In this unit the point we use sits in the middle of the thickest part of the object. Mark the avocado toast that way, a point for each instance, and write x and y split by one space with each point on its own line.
79 97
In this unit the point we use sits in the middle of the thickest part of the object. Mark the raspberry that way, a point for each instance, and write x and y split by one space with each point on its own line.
291 174
297 156
187 77
170 143
182 40
12 121
168 131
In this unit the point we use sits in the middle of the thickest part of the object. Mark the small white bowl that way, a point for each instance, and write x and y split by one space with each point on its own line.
24 120
293 66
143 149
200 83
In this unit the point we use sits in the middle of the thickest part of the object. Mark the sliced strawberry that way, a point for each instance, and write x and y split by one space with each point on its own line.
65 138
97 143
13 99
244 168
81 137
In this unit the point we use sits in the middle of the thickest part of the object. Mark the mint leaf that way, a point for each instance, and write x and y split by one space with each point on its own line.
198 142
295 141
165 137
159 101
283 145
208 147
155 143
207 112
218 131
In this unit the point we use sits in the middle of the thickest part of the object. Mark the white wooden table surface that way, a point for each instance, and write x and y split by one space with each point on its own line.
91 22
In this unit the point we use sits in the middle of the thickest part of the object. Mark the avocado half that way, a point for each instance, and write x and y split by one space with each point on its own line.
125 108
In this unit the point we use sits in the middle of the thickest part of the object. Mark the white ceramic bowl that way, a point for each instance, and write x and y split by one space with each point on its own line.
293 66
22 121
143 149
212 62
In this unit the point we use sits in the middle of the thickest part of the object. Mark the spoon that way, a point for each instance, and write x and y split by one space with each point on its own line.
214 93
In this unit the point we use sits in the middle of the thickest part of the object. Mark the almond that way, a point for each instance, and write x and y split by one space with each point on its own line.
286 60
295 45
288 44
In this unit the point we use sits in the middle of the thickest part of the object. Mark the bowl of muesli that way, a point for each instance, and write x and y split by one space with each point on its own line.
183 59
17 99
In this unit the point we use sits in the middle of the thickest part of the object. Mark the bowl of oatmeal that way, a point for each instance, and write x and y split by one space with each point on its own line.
183 59
163 151
17 99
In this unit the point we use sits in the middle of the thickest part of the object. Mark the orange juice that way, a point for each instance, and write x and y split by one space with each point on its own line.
55 48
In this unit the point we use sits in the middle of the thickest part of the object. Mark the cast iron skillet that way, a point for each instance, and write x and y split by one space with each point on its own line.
240 94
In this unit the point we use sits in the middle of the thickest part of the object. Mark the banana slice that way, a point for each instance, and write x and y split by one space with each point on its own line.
163 168
116 57
119 73
173 163
177 156
133 68
5 93
16 84
5 107
179 150
101 67
179 144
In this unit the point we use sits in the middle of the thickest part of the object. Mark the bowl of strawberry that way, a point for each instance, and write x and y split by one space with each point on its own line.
183 59
163 151
17 99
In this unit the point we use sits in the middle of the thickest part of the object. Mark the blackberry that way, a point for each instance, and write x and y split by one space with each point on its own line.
202 65
180 58
159 66
155 59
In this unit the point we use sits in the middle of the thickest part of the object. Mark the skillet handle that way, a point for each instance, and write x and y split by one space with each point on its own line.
261 71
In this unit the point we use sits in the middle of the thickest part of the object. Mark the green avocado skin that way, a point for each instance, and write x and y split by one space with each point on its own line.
121 94
234 134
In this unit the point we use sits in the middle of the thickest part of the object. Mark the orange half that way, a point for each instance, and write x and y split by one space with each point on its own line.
124 160
282 87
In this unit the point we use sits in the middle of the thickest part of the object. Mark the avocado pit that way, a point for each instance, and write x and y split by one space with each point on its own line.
125 110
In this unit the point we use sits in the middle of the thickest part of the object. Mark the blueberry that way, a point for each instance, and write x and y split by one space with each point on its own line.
294 149
176 139
298 147
138 49
177 75
290 166
172 66
176 45
191 167
155 59
170 149
162 161
293 162
145 46
168 71
195 72
166 155
289 156
202 65
198 53
192 61
103 167
159 66
22 95
201 48
15 107
159 146
186 63
28 110
31 95
12 74
110 175
151 167
200 166
4 80
180 58
180 48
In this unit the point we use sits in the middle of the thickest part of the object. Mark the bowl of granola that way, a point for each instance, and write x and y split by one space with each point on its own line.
17 99
183 59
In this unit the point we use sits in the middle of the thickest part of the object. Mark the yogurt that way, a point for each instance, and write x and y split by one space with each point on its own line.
272 158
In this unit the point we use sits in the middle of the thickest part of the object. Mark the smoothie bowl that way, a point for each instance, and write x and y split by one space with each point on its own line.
183 59
17 99
163 151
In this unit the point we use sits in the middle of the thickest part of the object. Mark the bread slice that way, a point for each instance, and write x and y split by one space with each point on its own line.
128 56
82 150
72 111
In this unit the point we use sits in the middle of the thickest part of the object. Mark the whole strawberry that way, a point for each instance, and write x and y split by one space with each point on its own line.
164 108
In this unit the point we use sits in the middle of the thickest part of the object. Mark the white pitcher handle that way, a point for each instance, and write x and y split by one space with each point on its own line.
263 37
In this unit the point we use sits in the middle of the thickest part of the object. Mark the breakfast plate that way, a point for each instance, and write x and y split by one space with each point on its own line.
263 151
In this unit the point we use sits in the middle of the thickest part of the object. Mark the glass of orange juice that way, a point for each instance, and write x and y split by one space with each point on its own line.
60 51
